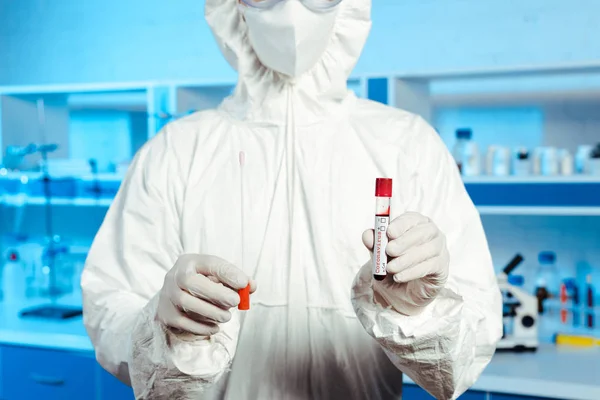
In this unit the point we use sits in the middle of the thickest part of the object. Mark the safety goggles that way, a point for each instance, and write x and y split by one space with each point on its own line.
315 5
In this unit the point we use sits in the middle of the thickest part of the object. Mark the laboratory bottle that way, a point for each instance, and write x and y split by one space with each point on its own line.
536 161
501 161
14 278
465 152
521 162
65 270
32 254
547 282
489 160
57 271
582 159
566 162
549 161
472 159
594 161
590 317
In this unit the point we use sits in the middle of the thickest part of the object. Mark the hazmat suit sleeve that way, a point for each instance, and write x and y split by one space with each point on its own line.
138 243
445 348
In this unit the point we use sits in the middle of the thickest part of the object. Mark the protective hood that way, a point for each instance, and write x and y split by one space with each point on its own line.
291 216
260 94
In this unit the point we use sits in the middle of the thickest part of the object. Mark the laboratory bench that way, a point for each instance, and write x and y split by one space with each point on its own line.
55 360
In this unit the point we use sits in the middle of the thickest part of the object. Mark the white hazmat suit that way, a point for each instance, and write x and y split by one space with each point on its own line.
293 221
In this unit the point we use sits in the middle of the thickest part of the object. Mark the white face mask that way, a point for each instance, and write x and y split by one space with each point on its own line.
289 38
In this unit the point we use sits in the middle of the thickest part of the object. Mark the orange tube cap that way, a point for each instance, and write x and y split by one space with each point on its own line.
244 298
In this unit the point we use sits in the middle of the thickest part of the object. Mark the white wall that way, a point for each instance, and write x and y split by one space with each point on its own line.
21 124
106 40
43 41
506 126
422 35
101 135
568 124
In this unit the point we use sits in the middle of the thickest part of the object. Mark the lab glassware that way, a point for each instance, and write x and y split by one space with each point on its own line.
582 159
566 162
549 161
501 163
521 162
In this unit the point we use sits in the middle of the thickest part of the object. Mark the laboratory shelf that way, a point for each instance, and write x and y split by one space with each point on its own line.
546 211
513 89
577 195
469 180
19 201
18 189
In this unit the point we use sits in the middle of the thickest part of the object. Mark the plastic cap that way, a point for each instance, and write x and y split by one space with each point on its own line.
547 257
383 187
595 153
13 256
522 153
464 133
570 283
244 298
516 280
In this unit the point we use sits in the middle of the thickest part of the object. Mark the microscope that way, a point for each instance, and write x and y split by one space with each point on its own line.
520 313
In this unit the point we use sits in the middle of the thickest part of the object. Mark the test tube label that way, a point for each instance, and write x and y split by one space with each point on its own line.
381 241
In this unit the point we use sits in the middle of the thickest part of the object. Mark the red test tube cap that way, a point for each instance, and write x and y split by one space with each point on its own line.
383 187
244 298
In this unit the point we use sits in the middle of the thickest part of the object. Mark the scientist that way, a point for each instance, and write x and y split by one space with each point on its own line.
192 224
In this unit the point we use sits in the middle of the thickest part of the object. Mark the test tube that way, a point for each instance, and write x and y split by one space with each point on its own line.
383 195
572 286
590 302
563 303
245 292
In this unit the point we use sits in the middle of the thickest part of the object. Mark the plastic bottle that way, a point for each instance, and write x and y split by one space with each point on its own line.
472 166
501 165
589 300
594 161
466 153
546 282
566 162
582 159
521 162
549 161
536 161
489 160
13 278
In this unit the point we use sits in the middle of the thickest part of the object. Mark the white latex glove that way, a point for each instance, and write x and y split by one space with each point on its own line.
417 264
198 292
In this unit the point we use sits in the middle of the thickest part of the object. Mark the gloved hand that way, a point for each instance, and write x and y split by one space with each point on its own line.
198 292
417 264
